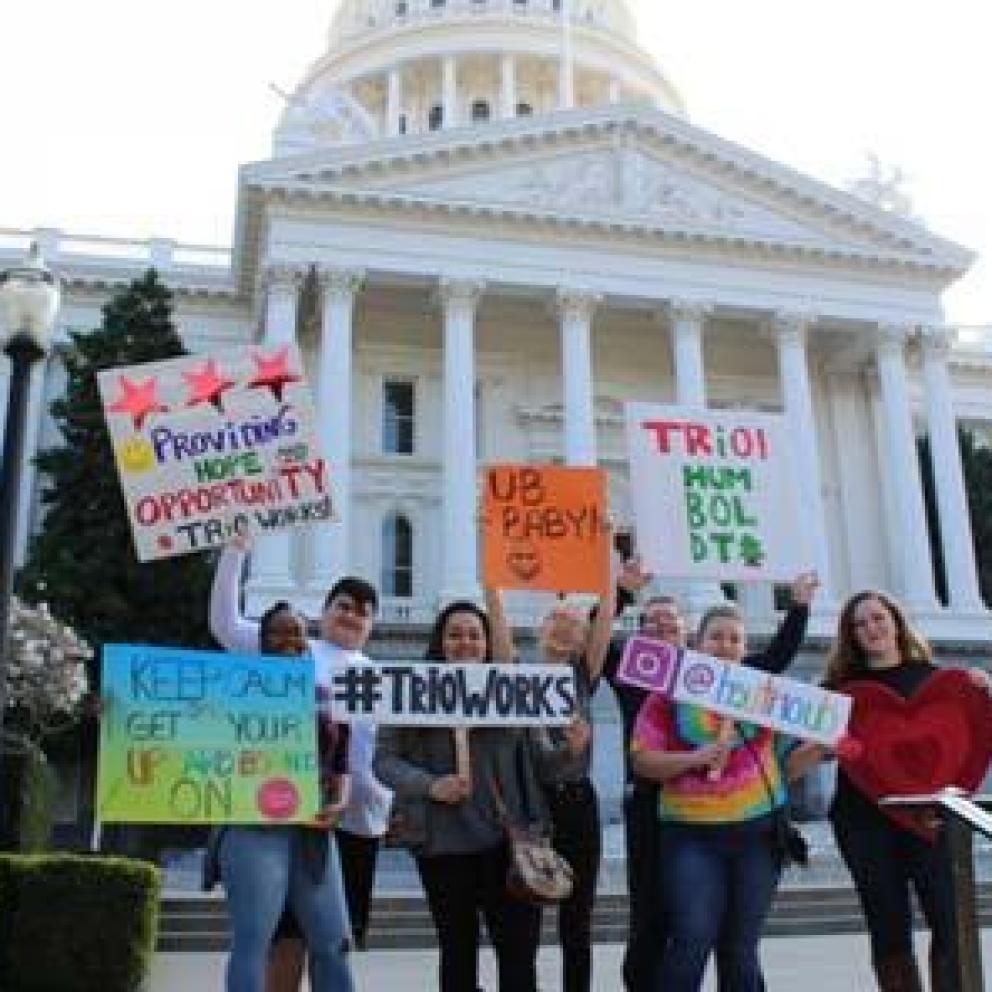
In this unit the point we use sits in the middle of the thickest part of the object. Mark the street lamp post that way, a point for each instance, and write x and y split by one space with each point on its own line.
29 300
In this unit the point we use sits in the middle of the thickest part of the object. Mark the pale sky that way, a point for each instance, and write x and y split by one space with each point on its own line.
124 117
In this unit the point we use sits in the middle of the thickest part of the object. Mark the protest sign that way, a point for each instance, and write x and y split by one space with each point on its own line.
544 528
198 737
714 494
450 694
736 691
214 445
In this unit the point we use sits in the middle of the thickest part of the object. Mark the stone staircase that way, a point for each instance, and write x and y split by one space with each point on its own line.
193 923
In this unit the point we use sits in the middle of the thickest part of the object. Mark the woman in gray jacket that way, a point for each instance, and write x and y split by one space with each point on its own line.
448 817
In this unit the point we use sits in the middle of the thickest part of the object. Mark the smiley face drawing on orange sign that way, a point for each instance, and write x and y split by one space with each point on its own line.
524 560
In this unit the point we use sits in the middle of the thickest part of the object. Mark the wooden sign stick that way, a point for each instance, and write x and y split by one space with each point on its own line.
463 761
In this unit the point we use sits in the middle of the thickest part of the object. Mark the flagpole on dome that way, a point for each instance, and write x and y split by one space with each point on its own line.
566 75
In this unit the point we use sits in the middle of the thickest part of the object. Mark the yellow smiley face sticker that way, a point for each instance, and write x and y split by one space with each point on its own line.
136 454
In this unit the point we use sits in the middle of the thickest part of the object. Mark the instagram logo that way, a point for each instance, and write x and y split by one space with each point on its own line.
648 664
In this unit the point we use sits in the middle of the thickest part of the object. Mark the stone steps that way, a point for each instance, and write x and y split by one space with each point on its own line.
195 923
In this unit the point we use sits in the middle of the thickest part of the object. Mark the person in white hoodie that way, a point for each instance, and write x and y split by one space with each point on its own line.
345 625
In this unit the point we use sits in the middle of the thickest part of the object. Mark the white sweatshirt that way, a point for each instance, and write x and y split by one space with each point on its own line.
368 812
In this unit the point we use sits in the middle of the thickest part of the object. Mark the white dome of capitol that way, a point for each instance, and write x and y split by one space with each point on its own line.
406 67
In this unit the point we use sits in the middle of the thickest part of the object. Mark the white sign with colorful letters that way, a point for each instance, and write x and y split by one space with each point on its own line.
215 445
715 494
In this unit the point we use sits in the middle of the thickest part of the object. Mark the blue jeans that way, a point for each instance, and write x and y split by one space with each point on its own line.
717 883
263 871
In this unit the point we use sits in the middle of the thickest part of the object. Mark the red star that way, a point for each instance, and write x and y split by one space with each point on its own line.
273 373
207 385
138 399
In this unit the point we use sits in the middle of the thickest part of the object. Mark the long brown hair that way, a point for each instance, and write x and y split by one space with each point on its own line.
847 660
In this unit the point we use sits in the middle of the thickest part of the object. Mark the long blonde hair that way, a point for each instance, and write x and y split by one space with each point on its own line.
846 659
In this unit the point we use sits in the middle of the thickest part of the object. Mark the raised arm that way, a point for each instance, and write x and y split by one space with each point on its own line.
601 632
499 627
228 626
789 637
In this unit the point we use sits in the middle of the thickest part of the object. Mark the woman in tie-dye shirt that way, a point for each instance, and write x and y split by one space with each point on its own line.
723 787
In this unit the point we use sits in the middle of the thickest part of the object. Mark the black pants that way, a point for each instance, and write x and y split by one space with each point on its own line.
884 861
647 932
576 837
358 857
461 886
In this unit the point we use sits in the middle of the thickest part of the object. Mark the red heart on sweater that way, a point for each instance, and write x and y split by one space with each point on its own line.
941 736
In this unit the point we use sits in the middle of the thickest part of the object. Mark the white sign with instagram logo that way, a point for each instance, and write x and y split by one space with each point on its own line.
736 691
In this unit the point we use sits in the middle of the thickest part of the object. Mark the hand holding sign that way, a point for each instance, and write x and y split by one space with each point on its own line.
450 789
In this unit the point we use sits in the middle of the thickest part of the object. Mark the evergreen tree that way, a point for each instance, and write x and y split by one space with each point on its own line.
82 561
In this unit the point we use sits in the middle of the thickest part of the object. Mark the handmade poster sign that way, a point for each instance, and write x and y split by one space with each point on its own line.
215 445
544 528
450 694
199 737
714 493
736 691
941 736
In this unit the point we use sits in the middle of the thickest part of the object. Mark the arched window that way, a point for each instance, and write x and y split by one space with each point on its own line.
524 110
397 557
480 110
435 117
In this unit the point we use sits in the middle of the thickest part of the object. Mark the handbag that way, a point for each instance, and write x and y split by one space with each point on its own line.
537 873
787 839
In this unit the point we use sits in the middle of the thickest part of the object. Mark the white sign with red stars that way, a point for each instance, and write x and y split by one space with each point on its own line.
215 445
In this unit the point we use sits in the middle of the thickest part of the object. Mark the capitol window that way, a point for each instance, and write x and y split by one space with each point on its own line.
396 580
480 110
524 110
401 8
435 117
398 417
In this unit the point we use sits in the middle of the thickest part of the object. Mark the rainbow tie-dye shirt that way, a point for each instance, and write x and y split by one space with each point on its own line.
740 793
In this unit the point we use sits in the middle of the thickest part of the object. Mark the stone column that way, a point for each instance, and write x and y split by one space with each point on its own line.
507 87
791 332
615 90
900 461
566 63
952 501
575 312
449 91
272 556
460 577
394 101
688 318
331 547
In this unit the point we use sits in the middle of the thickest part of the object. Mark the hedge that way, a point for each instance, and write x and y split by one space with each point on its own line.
73 923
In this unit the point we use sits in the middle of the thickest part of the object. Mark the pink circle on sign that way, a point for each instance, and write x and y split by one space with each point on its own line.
277 798
699 678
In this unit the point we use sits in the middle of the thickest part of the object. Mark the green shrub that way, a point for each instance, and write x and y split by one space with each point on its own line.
71 923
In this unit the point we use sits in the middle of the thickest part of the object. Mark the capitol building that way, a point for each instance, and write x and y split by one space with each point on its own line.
490 223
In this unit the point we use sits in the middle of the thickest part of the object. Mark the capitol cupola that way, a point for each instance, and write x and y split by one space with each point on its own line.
397 67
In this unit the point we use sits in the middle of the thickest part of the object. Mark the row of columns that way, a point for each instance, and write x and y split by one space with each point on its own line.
508 91
459 300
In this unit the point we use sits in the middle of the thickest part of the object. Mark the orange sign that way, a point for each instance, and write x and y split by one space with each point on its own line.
545 528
